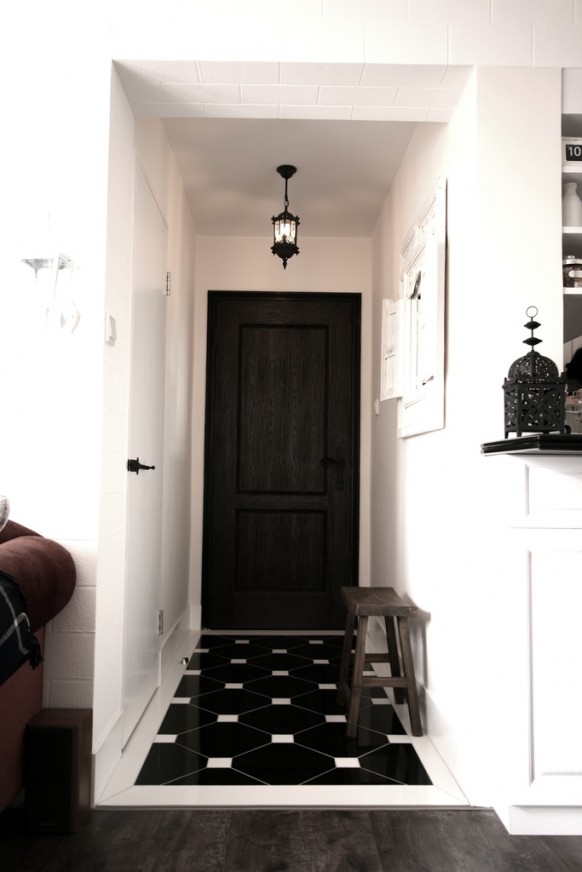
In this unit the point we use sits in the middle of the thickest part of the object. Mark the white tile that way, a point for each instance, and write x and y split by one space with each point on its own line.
405 113
456 77
280 672
170 110
557 46
78 616
164 739
326 113
403 44
68 655
316 642
181 700
490 46
228 73
227 719
160 70
347 762
550 13
238 661
85 557
219 763
234 686
242 642
368 9
289 95
282 739
399 740
450 11
280 701
441 98
321 74
322 662
400 75
439 115
279 650
380 700
335 719
248 110
327 686
68 693
198 93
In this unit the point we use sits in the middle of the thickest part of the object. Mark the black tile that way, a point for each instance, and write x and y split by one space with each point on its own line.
283 763
278 641
216 776
207 640
381 718
194 685
332 739
279 661
342 775
320 673
319 652
280 686
287 719
236 673
180 717
399 762
205 661
324 701
241 651
166 761
231 702
223 739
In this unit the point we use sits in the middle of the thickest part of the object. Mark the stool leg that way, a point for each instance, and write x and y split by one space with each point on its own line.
344 676
408 666
393 655
357 675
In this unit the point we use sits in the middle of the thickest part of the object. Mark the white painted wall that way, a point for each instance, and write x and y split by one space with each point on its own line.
53 174
145 142
247 264
442 503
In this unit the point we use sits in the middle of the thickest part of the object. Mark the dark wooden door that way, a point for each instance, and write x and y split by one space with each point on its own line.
281 463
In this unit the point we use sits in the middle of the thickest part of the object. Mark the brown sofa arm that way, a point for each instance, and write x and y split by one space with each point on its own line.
43 569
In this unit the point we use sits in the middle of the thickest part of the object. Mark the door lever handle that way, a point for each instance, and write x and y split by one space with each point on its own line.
135 466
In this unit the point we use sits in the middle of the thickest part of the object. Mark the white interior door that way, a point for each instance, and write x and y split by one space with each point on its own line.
146 436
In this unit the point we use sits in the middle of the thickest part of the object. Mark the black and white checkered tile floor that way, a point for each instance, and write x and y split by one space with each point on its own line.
262 710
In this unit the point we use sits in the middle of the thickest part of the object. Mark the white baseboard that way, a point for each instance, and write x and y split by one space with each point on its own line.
522 820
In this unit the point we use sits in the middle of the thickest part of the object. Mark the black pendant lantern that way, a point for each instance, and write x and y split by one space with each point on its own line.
285 224
535 392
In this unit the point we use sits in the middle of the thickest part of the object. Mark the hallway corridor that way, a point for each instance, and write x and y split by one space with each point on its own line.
253 721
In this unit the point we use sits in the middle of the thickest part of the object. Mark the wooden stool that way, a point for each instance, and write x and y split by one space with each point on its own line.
362 603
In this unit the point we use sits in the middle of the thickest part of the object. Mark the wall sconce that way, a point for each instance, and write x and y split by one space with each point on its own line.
60 311
535 392
285 224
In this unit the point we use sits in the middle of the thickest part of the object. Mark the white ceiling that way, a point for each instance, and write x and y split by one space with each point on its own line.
345 127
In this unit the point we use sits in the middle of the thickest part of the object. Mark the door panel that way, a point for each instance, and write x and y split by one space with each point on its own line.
281 474
146 438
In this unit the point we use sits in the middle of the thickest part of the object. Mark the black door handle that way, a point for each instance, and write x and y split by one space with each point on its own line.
135 466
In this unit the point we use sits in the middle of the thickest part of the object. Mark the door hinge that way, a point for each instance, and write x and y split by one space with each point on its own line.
168 289
160 622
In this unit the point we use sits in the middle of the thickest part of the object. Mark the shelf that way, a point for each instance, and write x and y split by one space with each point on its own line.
536 443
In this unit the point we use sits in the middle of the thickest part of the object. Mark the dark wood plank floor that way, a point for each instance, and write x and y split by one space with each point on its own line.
188 840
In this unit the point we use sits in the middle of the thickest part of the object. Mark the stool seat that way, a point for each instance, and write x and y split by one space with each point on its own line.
362 603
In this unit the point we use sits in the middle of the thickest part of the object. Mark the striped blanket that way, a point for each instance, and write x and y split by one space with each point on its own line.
17 642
